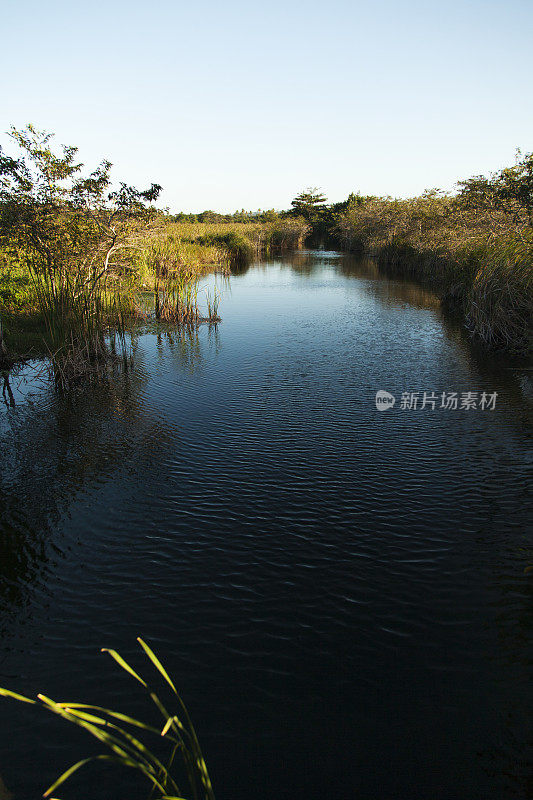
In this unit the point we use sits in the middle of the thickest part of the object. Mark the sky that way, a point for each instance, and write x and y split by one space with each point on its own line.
232 105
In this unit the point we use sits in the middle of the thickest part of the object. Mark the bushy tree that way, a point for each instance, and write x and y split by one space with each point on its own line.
56 218
309 203
509 190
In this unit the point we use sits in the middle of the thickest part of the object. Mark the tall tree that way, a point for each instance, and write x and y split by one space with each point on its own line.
309 203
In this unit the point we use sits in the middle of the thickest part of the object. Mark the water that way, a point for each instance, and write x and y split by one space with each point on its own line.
339 592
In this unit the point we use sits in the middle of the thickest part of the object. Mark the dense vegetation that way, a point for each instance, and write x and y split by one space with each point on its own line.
475 248
79 259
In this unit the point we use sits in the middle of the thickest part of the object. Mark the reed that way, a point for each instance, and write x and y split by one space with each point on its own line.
168 251
125 737
240 241
481 264
499 303
239 247
213 301
176 298
68 308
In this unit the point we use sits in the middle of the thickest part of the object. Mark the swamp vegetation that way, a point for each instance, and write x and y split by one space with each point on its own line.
81 262
475 248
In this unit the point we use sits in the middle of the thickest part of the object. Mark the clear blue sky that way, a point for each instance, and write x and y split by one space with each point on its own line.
241 105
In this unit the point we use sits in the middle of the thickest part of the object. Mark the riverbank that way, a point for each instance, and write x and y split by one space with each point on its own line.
480 264
164 264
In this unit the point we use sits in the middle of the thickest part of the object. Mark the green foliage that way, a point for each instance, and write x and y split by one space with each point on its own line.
62 228
309 204
240 249
509 191
59 219
125 737
16 291
238 242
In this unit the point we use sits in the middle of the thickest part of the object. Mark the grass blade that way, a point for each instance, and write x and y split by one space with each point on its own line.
118 658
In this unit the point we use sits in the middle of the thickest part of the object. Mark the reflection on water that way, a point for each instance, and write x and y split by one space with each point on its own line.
7 392
339 592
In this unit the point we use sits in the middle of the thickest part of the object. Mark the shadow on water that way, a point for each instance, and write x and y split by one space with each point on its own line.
53 445
58 444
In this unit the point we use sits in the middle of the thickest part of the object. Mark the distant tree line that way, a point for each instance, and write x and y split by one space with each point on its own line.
505 194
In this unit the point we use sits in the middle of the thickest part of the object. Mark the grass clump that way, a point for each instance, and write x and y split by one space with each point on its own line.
499 303
479 259
125 738
238 242
238 246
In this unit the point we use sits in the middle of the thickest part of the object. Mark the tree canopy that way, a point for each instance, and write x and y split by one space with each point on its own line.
56 216
309 203
509 190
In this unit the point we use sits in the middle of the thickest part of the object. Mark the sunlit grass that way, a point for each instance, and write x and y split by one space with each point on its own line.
480 263
68 313
125 738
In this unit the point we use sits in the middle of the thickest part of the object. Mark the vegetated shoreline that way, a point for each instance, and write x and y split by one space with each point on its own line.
165 265
488 287
474 248
76 257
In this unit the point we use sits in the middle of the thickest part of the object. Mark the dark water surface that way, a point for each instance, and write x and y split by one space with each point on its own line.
339 592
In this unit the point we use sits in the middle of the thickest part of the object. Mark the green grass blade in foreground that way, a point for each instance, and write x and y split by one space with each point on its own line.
128 750
15 696
199 759
153 658
118 658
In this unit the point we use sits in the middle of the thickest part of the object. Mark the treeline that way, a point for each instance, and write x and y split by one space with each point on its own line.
310 206
214 217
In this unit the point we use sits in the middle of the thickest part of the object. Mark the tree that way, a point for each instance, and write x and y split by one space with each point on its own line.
64 227
58 220
509 190
309 204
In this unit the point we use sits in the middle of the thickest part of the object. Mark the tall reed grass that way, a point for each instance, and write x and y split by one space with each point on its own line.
73 308
479 263
125 738
242 240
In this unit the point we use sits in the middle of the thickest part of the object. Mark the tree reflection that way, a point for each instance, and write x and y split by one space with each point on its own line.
58 445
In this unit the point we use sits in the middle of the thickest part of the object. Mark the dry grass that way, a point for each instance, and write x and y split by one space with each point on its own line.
480 263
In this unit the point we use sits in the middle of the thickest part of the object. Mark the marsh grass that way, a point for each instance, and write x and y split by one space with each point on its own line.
240 249
176 299
480 264
84 323
126 737
213 302
499 303
238 242
69 312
